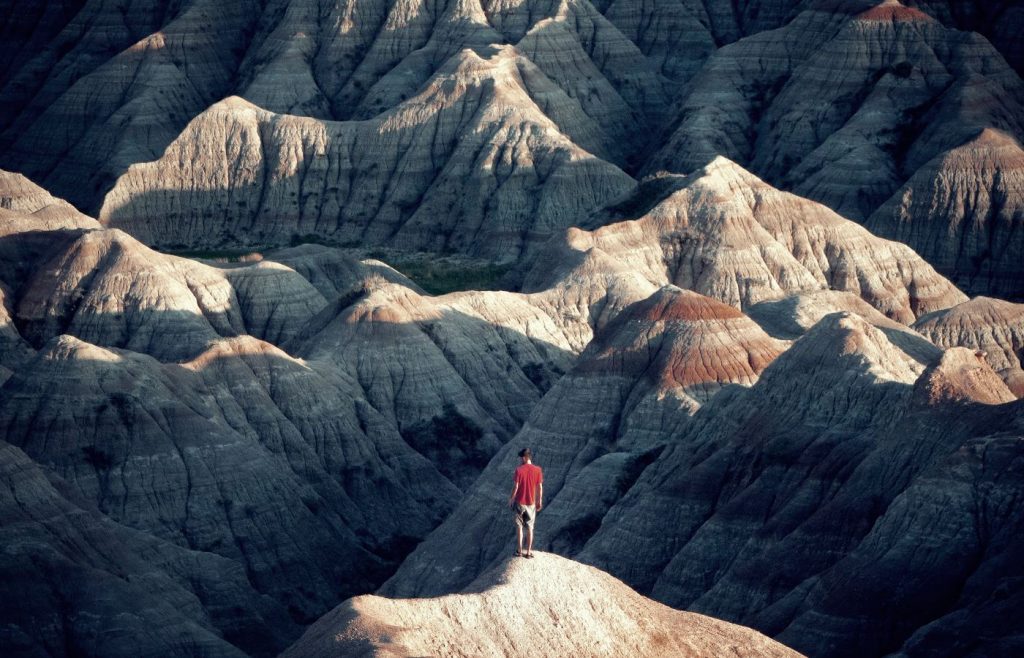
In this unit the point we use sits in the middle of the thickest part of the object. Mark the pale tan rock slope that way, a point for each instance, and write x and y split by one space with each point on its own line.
20 196
727 234
548 606
992 326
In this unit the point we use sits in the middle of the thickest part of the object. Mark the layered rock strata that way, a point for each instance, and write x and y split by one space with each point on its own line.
243 452
808 485
470 149
635 385
992 326
75 579
361 86
725 233
963 211
907 90
846 106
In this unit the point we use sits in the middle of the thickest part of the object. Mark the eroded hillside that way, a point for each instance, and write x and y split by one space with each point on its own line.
754 274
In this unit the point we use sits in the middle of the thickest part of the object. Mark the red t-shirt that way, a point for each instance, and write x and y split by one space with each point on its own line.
527 477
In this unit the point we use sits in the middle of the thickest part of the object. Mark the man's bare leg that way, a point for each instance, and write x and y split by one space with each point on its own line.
529 540
519 539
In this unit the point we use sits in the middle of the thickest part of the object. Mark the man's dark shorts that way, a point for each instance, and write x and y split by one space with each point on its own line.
524 514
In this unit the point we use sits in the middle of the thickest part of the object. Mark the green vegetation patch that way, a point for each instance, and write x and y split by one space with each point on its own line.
439 275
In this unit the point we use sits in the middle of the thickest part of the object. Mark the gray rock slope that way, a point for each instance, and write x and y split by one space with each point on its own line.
639 380
326 60
792 508
892 88
74 579
242 452
314 417
484 127
148 384
963 212
845 106
1000 21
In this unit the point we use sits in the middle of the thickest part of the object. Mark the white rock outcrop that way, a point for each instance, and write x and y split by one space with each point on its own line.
548 606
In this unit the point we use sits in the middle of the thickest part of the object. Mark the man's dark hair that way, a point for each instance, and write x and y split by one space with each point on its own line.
525 452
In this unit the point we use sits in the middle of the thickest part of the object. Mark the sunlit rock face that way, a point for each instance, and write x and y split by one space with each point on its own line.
469 164
729 235
20 196
993 327
524 119
846 106
150 385
577 609
638 382
311 417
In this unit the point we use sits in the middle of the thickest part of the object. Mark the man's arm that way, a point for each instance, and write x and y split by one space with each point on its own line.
515 488
540 495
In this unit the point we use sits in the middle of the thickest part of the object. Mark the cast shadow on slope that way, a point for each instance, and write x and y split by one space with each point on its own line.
127 589
281 465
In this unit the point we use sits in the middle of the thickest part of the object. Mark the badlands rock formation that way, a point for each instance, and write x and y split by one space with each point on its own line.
20 196
548 606
481 128
337 62
727 234
992 326
470 149
243 452
964 212
157 399
115 85
72 578
1000 21
314 416
773 505
844 107
637 383
746 404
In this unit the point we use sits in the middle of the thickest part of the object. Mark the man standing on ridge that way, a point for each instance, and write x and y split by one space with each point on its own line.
527 489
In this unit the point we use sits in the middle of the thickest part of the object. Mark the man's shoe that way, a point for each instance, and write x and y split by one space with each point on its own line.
528 555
